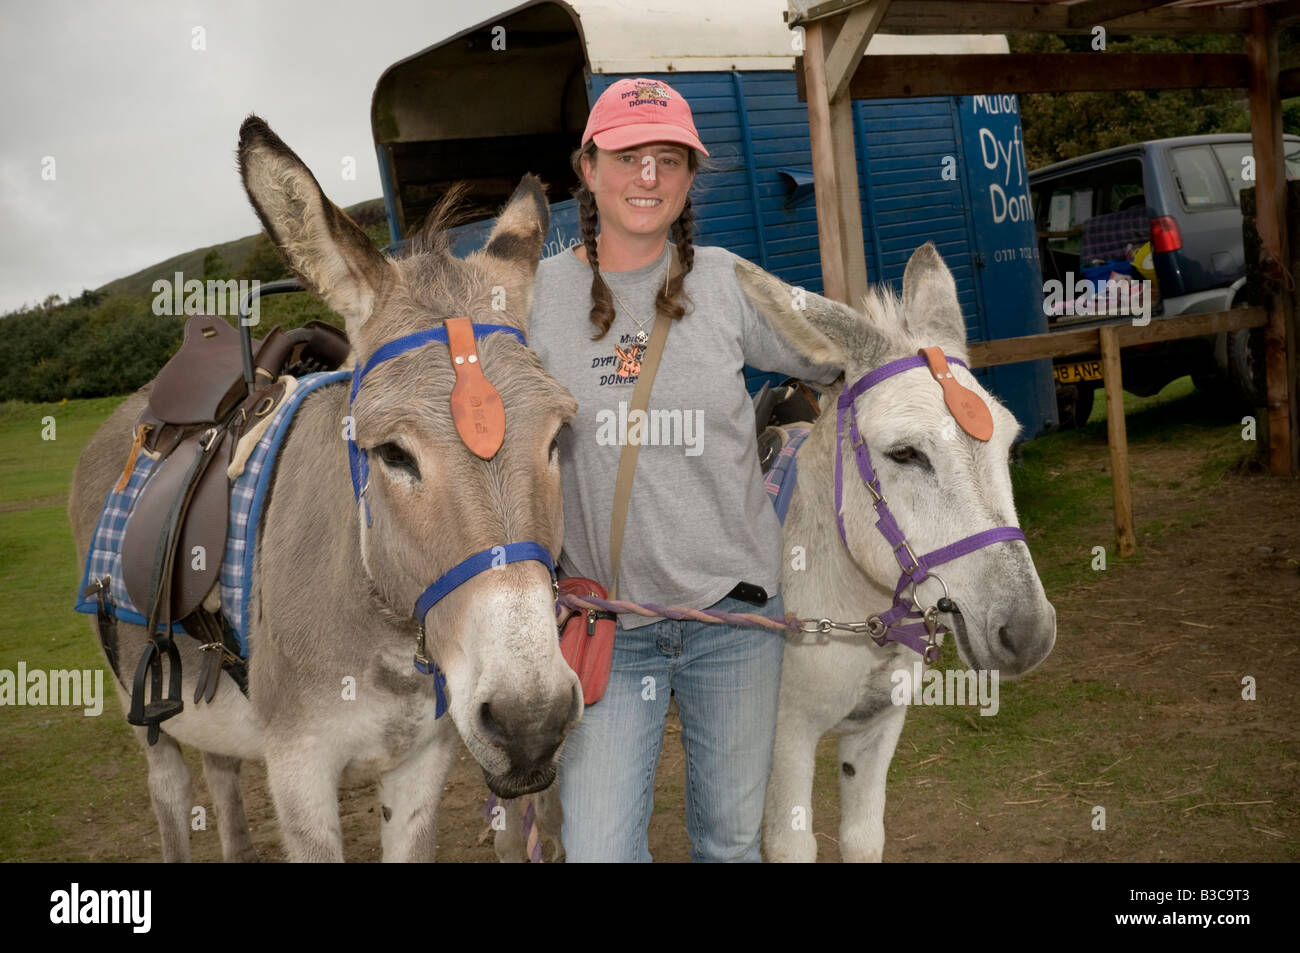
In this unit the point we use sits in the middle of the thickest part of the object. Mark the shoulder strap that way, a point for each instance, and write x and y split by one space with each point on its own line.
627 462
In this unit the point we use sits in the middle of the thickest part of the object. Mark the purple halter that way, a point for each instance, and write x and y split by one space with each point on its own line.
889 626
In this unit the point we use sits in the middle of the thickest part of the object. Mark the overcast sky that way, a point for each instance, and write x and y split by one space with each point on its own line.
142 126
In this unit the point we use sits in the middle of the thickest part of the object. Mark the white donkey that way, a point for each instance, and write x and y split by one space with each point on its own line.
942 486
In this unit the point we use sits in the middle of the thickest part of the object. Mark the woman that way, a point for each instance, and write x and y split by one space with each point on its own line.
699 522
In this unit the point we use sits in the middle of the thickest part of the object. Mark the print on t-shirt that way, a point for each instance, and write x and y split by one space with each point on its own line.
624 365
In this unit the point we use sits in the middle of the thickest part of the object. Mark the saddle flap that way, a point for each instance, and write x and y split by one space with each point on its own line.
203 538
204 524
204 378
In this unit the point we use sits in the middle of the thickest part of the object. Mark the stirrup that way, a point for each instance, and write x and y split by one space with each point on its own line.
158 709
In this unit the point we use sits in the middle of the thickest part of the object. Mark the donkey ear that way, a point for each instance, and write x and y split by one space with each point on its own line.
521 227
326 249
515 245
930 304
822 330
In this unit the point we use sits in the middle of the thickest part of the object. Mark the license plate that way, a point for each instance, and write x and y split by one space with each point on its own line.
1077 371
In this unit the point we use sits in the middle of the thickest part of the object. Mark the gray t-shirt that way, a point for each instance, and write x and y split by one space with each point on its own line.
699 520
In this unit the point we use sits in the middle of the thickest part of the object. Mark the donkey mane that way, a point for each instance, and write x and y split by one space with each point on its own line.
883 334
430 238
434 284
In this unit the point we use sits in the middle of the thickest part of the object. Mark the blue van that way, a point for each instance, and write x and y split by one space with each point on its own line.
512 94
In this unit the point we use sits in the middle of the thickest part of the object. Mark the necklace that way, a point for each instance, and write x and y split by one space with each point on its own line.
630 360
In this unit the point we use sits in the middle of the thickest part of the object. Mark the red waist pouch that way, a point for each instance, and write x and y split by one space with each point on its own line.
587 640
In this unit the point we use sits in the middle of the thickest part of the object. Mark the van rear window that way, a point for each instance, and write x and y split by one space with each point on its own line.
1200 180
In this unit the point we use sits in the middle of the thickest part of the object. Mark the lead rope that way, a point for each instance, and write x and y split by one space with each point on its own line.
873 626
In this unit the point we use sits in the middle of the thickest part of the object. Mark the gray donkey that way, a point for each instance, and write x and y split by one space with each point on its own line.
942 485
332 596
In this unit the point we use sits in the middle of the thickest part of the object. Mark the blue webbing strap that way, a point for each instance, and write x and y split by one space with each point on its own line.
462 572
494 558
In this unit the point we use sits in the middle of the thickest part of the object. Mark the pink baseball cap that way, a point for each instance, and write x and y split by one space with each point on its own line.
633 112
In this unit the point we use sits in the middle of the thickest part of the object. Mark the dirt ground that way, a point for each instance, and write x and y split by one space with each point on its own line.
1209 602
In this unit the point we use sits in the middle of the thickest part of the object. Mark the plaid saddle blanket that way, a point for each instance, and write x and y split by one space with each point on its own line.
247 496
781 477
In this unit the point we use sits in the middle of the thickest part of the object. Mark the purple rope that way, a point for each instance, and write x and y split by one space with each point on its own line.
530 820
791 622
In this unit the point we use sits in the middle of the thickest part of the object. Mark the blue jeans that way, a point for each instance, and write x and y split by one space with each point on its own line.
727 682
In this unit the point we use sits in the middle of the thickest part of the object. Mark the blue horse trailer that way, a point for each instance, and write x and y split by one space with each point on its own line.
511 95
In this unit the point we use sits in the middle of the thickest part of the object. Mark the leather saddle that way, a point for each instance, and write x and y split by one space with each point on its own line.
775 408
174 540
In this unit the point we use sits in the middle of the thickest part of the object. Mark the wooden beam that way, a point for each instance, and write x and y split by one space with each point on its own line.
822 146
1033 347
1270 223
1089 13
1110 340
845 56
819 11
1083 341
927 17
974 74
1117 437
1286 13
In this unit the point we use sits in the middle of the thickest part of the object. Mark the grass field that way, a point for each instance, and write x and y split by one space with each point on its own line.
45 750
64 771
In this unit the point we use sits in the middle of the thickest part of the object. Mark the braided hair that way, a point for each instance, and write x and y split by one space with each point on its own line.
673 299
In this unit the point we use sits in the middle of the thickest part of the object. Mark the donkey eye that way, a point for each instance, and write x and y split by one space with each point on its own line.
394 456
908 455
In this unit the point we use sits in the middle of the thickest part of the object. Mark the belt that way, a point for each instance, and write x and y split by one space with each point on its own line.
748 592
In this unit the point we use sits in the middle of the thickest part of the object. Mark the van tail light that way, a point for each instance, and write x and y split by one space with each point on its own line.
1165 235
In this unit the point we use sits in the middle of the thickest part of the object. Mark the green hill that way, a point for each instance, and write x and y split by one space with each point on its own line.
110 341
369 215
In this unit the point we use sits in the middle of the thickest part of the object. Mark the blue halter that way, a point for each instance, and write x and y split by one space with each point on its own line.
358 462
492 558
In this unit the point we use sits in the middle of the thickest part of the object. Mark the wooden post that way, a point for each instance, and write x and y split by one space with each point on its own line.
844 41
850 213
1270 221
830 46
1117 433
822 143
